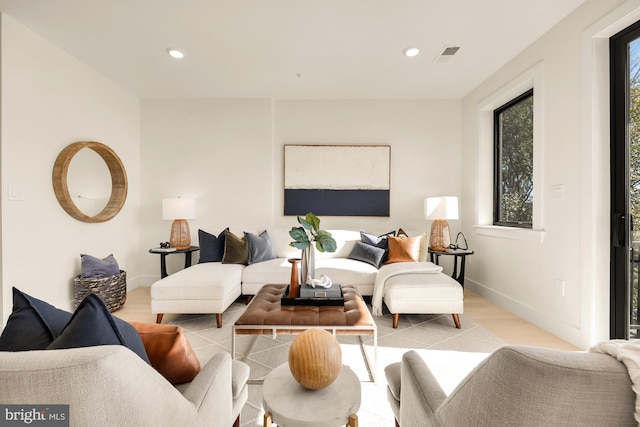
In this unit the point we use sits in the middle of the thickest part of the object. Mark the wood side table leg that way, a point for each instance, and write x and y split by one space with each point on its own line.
267 419
353 420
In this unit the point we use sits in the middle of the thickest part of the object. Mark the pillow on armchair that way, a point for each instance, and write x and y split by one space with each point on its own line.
32 325
169 351
37 325
92 324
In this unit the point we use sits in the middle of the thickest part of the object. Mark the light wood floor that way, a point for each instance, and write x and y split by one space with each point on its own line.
499 321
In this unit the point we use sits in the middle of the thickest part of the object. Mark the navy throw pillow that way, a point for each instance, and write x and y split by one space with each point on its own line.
32 325
377 241
211 247
93 325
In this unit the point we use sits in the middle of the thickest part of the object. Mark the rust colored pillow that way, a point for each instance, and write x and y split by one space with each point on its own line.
403 249
169 351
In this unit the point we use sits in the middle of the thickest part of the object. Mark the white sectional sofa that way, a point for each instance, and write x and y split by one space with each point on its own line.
211 287
336 264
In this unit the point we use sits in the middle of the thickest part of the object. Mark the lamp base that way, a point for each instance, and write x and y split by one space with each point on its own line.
439 238
180 234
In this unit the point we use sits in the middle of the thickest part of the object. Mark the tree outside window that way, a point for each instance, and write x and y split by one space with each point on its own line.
513 164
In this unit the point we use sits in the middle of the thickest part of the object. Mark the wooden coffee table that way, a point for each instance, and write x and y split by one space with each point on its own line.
266 316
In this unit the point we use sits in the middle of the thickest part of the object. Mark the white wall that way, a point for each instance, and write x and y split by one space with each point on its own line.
520 274
217 151
50 100
228 154
425 150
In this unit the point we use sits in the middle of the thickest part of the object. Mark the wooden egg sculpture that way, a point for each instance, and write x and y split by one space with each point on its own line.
315 359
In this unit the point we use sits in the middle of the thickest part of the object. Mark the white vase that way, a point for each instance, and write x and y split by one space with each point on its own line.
308 264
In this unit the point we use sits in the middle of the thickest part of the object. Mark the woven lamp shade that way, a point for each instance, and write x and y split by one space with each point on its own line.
315 359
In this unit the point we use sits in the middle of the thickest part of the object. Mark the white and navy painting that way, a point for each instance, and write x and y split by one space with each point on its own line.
337 180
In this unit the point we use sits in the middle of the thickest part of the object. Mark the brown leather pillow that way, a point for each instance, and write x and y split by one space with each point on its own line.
403 249
169 351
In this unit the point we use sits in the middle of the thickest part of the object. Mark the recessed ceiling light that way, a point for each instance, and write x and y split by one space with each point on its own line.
175 53
411 51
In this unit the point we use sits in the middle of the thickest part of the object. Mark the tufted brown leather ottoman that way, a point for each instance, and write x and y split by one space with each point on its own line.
266 316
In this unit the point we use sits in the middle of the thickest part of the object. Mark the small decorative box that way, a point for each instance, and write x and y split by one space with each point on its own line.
307 291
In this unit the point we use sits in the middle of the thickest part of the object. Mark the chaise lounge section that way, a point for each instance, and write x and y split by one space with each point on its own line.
202 288
424 294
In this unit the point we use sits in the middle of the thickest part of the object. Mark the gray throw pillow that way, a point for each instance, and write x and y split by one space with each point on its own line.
260 247
96 267
368 253
381 241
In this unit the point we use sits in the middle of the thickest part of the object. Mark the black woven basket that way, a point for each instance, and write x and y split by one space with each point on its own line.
111 289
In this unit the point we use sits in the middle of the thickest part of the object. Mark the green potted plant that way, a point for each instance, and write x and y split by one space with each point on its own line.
304 237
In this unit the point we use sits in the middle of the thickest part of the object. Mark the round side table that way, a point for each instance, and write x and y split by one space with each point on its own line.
287 403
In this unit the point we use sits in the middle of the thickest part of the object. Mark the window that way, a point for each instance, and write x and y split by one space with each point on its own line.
513 163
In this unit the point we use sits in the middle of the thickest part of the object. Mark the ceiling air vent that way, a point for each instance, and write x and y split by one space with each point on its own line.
446 54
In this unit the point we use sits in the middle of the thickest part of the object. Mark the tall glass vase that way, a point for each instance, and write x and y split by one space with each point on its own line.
308 264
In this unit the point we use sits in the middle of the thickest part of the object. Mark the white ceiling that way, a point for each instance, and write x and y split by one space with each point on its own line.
292 49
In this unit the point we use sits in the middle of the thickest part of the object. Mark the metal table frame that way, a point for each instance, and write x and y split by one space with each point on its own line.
335 330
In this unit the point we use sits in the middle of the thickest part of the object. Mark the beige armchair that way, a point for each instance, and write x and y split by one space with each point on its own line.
112 386
516 386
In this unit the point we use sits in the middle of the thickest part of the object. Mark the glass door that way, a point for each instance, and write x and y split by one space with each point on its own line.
625 182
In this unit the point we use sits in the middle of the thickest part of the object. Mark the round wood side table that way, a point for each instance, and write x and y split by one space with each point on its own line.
289 404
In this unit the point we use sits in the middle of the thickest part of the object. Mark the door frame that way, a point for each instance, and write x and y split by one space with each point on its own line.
621 233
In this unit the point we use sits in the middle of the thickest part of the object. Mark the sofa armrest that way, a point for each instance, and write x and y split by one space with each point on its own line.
420 393
210 390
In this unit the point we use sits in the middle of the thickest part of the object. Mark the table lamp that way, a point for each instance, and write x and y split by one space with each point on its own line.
179 210
440 209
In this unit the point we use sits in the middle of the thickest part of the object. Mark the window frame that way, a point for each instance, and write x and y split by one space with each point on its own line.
497 156
532 77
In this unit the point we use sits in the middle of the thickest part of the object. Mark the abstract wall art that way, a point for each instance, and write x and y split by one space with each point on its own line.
337 180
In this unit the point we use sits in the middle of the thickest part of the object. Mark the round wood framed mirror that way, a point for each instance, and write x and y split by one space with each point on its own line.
118 181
